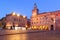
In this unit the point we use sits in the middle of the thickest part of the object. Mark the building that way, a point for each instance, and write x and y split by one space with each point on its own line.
37 21
28 23
0 23
45 20
15 20
3 20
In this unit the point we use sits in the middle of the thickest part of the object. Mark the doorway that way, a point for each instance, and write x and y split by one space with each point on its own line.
52 27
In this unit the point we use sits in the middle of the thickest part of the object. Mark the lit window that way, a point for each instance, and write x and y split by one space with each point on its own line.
35 27
46 27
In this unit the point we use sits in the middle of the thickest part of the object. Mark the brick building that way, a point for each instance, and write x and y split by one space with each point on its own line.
45 20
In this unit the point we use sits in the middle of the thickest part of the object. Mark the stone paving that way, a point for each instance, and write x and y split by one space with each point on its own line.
29 35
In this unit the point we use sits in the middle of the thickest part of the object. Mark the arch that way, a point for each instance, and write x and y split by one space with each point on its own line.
52 27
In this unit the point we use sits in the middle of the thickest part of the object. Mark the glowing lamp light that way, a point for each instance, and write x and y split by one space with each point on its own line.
24 16
18 14
41 27
8 25
32 27
23 28
16 25
35 27
46 28
13 13
26 26
16 28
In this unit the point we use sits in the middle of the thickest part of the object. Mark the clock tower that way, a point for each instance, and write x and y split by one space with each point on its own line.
35 10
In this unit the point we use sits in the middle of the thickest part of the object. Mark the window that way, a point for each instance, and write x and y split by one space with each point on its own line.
46 17
34 22
37 18
31 22
15 20
41 18
52 19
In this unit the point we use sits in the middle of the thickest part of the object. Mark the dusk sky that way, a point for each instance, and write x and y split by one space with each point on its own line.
25 7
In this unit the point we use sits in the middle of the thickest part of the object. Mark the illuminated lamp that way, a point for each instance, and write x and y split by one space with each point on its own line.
24 16
16 25
41 27
26 26
35 27
8 25
18 14
13 13
46 28
32 27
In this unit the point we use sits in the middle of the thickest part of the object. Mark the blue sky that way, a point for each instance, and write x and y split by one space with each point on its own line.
25 7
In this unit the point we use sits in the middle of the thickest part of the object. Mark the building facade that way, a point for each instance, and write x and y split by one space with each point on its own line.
15 20
45 20
38 21
0 23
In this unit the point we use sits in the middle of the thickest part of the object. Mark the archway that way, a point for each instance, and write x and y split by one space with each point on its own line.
52 27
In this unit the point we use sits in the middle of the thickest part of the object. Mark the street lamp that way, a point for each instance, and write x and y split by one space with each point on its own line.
13 13
18 14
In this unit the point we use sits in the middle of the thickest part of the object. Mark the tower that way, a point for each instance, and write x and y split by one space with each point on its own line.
35 11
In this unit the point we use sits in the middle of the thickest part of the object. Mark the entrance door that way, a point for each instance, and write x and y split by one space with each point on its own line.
52 28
